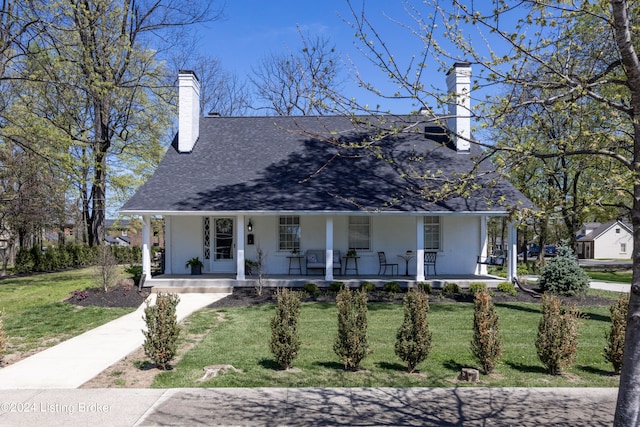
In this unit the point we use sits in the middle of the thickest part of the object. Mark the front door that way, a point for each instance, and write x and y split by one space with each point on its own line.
224 248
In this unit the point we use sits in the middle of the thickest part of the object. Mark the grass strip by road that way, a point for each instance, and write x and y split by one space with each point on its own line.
240 338
615 276
35 316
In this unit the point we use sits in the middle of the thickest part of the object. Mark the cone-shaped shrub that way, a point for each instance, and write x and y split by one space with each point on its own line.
486 345
557 339
351 343
285 339
615 338
413 340
161 336
563 275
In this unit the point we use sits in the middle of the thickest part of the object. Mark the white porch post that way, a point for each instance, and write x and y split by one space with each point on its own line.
240 274
328 257
168 269
484 245
146 246
420 249
512 255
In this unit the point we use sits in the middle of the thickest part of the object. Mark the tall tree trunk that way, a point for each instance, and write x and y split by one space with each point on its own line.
628 405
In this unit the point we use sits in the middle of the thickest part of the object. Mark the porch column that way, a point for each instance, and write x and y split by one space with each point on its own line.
240 248
328 257
484 245
512 255
420 249
168 269
146 246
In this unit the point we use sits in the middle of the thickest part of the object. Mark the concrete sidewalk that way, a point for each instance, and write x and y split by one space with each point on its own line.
467 406
609 286
75 361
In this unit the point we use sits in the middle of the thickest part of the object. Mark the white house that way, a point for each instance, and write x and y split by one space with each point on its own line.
613 240
229 186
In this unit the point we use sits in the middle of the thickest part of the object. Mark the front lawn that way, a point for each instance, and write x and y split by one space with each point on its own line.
240 338
35 316
617 276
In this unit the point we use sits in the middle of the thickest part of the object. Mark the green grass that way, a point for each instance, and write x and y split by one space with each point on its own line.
35 316
241 340
621 276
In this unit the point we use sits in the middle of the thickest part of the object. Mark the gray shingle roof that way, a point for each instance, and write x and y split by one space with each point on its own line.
271 164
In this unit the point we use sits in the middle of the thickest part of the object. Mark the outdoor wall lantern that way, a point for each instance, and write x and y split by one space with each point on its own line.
250 226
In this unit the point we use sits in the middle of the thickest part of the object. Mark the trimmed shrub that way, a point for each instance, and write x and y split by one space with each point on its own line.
24 261
563 275
413 339
311 289
507 288
351 344
614 350
336 286
161 336
486 345
426 287
475 287
136 273
285 339
451 289
557 338
391 287
367 286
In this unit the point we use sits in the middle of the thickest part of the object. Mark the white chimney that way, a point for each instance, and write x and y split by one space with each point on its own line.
459 88
188 110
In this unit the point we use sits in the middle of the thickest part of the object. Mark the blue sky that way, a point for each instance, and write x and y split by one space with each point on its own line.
252 29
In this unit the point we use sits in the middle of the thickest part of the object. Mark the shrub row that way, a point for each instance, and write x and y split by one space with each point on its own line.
69 256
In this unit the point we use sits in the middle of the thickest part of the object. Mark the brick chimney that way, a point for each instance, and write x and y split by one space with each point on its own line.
459 88
188 110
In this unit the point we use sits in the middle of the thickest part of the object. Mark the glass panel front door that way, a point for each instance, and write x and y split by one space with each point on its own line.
223 245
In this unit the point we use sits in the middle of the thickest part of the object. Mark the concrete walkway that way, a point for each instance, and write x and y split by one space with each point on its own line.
75 361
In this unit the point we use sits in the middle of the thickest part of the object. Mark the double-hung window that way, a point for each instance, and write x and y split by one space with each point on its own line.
289 233
432 233
360 233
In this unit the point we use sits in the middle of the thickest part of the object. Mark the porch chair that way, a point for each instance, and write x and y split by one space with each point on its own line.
337 261
314 260
430 261
382 258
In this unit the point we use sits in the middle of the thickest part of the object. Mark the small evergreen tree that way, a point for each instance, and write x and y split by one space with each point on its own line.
563 275
413 340
615 338
161 336
351 343
285 339
486 345
557 339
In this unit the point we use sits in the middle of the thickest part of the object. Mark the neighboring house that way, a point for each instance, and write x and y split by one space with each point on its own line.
613 240
129 233
229 186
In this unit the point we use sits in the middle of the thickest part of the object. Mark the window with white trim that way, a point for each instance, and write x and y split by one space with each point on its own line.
360 233
432 232
623 247
289 233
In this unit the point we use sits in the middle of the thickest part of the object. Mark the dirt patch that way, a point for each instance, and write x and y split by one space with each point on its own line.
122 295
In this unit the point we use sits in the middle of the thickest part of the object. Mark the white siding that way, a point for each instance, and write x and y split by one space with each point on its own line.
608 245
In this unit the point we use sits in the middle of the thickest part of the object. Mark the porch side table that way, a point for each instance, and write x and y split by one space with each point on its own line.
355 264
297 265
406 257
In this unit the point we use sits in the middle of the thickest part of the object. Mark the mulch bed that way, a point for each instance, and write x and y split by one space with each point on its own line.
129 296
246 297
118 296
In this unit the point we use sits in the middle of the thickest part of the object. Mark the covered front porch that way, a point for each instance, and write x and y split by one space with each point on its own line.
228 242
183 283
